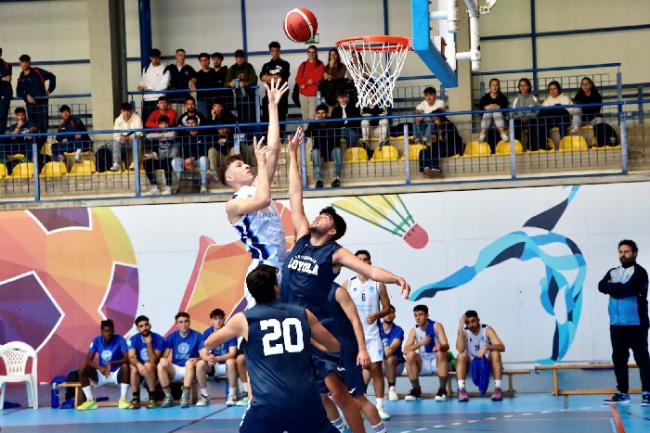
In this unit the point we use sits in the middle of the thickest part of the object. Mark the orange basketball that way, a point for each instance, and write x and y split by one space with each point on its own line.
300 25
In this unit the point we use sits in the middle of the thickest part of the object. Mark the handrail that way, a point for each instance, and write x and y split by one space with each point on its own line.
548 69
188 90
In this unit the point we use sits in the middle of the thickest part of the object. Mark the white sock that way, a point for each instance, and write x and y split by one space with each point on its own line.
380 402
88 392
338 424
481 137
168 391
232 391
204 391
379 428
391 388
124 388
244 387
497 383
461 383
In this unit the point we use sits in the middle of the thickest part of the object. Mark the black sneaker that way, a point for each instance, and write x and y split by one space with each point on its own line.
336 183
413 394
618 397
319 184
645 399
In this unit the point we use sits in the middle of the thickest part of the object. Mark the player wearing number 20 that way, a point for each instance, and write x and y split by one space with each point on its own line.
278 356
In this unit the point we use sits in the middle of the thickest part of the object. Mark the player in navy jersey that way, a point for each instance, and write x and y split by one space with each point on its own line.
220 361
145 349
278 355
392 337
179 359
112 366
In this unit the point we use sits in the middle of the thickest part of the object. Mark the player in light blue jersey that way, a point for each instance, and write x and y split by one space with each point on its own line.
145 350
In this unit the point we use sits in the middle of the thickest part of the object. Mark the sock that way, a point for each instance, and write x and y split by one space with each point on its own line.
380 402
443 382
204 392
168 392
379 428
244 387
136 395
186 393
232 391
497 383
461 383
415 383
88 392
338 424
124 388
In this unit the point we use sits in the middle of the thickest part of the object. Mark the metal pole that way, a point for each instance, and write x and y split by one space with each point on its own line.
619 90
513 150
303 162
533 42
407 156
37 185
136 168
144 15
623 123
257 104
640 97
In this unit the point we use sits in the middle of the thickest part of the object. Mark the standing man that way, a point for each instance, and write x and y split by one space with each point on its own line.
154 77
181 77
145 349
627 287
392 337
241 77
31 87
206 78
274 69
6 92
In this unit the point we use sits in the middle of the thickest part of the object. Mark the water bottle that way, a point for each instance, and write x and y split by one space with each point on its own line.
318 98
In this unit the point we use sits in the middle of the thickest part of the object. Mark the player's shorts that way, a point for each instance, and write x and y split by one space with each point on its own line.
428 365
250 301
110 380
354 379
218 369
179 373
279 419
325 364
375 348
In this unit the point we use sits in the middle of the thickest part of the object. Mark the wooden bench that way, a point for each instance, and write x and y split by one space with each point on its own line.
509 392
79 396
555 368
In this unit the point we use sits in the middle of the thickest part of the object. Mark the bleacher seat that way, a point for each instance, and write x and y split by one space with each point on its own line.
24 170
573 143
355 155
46 149
503 147
54 169
587 131
414 151
82 168
554 134
477 148
3 171
385 154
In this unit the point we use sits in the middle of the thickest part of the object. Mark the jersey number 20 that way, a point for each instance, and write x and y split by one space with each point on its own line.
270 341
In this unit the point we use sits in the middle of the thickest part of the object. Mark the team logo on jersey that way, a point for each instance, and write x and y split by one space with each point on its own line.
304 264
107 355
183 349
144 355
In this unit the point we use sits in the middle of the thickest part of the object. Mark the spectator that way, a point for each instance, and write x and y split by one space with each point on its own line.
190 110
589 94
194 148
6 92
20 147
181 77
224 140
325 147
145 349
525 99
70 143
155 77
343 110
392 337
560 116
160 149
333 78
123 142
221 71
430 104
310 73
274 69
446 142
242 76
31 87
206 78
366 124
493 100
163 110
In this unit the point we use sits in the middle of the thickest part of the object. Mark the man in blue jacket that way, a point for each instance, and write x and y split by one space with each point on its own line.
627 287
31 87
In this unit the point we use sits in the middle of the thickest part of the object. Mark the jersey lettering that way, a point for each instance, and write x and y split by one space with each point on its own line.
304 264
270 341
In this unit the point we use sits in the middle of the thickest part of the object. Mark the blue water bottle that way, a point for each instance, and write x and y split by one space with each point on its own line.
54 393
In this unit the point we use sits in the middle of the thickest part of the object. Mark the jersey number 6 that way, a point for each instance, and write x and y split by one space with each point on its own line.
282 331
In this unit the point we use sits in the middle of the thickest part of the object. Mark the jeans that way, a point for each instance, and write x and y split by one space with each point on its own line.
178 164
336 155
151 165
427 125
118 150
383 130
487 119
351 135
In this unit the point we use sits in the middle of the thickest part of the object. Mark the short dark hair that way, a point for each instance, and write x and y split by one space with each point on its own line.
204 56
64 108
24 58
341 93
261 283
556 84
322 107
630 243
431 90
180 50
154 52
240 53
181 314
190 98
391 307
218 55
421 307
19 110
141 318
125 106
339 222
471 313
108 323
225 163
162 119
219 102
163 98
365 252
217 312
192 118
274 44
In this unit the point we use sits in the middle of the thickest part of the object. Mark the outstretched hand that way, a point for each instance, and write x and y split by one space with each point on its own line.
261 151
275 91
404 286
294 140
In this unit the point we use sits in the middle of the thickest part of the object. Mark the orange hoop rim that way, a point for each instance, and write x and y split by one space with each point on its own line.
391 43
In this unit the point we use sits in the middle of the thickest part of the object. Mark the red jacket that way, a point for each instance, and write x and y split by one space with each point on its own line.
307 70
152 121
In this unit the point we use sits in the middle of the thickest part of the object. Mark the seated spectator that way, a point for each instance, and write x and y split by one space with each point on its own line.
123 143
242 76
182 347
19 147
430 104
525 99
181 77
476 341
366 124
160 149
206 78
224 137
349 129
218 362
154 77
446 141
111 367
589 94
310 73
426 353
334 80
194 148
493 100
70 143
163 109
392 337
326 147
191 110
145 349
561 117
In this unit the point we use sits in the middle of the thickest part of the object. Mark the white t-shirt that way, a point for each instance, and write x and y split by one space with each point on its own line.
424 107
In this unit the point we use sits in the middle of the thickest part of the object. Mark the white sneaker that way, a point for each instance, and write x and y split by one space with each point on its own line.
152 191
166 190
204 189
231 400
382 414
152 155
204 400
392 394
505 137
574 131
131 166
481 137
115 167
77 155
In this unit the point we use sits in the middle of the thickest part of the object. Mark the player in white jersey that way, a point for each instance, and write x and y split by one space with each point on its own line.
251 211
476 340
371 299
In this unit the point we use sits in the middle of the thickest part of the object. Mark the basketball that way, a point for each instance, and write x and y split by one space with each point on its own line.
300 25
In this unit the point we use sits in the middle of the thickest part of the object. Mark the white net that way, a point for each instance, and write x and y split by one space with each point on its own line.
374 67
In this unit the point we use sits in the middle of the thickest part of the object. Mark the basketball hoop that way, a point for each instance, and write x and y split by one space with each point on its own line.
374 62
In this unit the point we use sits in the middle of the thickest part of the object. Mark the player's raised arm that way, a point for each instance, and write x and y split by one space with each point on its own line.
236 327
298 217
321 335
350 310
274 93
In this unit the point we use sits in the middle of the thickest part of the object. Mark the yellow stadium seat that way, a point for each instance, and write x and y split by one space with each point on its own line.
414 151
573 143
385 154
503 147
355 155
3 171
17 156
477 148
46 149
82 168
54 169
24 170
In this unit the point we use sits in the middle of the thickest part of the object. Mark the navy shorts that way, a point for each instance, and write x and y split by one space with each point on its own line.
279 419
354 378
324 364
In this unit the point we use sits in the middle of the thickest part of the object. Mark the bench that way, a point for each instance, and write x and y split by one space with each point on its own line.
79 396
555 368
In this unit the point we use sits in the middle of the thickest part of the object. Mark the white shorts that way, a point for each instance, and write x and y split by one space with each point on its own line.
219 369
428 366
250 301
375 348
179 373
110 380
